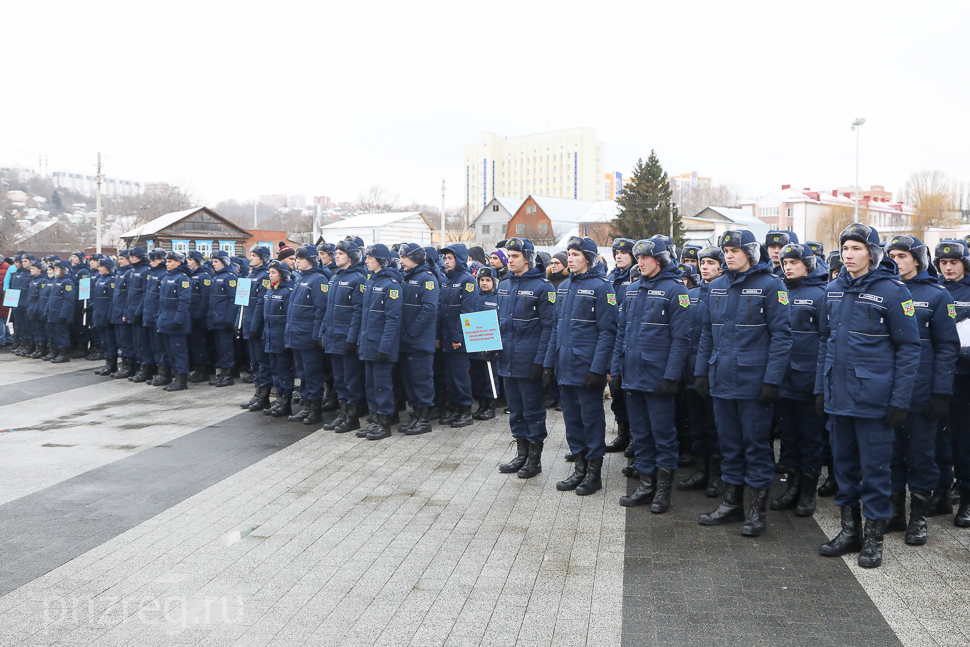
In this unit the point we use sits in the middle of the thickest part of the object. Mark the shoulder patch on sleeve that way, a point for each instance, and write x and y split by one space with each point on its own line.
361 287
232 283
783 297
265 283
551 296
908 308
68 288
429 285
611 299
393 294
469 287
325 287
207 281
951 310
185 284
684 300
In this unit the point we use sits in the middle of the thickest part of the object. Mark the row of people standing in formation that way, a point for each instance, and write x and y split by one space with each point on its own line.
851 361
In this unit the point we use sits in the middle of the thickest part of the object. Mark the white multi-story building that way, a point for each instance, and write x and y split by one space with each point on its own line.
88 184
562 164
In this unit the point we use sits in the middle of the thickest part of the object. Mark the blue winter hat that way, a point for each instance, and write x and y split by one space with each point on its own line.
356 239
309 254
280 267
64 265
778 238
222 256
104 261
622 245
742 239
914 246
525 247
175 256
196 255
669 242
350 247
711 251
954 249
159 254
868 236
124 253
817 248
262 251
587 246
139 252
414 252
690 251
379 251
797 252
79 254
654 248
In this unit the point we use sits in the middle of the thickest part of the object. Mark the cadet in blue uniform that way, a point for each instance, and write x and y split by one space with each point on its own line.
620 279
201 280
954 451
801 426
774 242
258 361
21 321
79 336
60 312
419 313
307 312
222 316
653 339
269 325
703 428
578 357
330 403
149 316
345 299
89 331
174 317
458 294
36 321
914 450
481 384
526 316
137 283
43 307
379 339
123 330
868 355
103 292
741 361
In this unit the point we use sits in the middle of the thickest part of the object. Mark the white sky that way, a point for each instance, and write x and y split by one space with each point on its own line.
237 99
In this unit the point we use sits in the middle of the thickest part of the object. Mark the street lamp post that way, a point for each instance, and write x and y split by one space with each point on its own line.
856 127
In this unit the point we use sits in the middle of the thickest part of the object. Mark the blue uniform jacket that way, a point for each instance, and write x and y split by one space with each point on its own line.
222 309
153 285
805 297
746 335
103 293
174 301
380 317
137 287
526 316
120 304
48 285
621 282
457 287
484 301
260 281
307 309
939 341
79 272
698 296
270 318
960 291
201 293
419 311
583 337
345 299
63 298
869 344
31 291
21 281
653 331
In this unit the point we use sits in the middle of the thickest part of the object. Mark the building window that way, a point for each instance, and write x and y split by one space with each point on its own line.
180 246
149 245
520 230
543 228
228 246
485 230
495 206
204 247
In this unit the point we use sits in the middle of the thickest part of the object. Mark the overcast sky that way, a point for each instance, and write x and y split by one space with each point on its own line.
237 99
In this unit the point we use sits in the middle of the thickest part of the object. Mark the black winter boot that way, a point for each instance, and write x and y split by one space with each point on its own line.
806 498
450 414
871 554
285 409
569 458
962 518
110 366
51 353
340 419
897 520
225 379
916 531
216 377
622 440
199 375
315 417
125 370
661 498
731 508
485 410
464 418
95 355
789 498
630 471
715 486
939 502
757 521
533 464
373 427
830 486
141 375
302 413
351 422
329 402
262 400
644 493
697 480
274 407
422 422
849 539
61 357
164 377
178 384
383 428
250 402
80 352
593 481
579 473
412 420
35 351
522 453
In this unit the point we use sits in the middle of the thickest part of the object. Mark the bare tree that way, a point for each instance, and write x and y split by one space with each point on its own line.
377 200
834 219
934 198
8 223
694 201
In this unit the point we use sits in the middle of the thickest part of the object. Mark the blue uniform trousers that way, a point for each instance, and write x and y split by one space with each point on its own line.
126 340
914 456
143 345
703 429
864 444
527 416
109 343
380 390
259 363
618 401
37 332
199 347
585 418
743 428
314 372
653 429
959 429
177 349
458 380
348 377
20 324
158 347
801 435
417 373
283 372
225 351
60 335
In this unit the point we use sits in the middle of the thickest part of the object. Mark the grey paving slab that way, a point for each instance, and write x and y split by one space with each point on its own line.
37 387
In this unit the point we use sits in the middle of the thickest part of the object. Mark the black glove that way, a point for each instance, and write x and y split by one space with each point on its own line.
491 356
548 377
667 387
228 327
317 343
350 349
537 371
702 385
381 357
938 407
896 417
820 404
595 381
769 394
136 319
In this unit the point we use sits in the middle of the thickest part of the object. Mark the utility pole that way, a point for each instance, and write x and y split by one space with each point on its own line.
99 178
255 221
442 213
316 223
856 126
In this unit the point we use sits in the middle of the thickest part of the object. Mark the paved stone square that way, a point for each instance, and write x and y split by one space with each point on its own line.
131 516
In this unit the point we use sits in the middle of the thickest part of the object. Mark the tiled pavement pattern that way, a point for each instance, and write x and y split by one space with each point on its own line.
420 541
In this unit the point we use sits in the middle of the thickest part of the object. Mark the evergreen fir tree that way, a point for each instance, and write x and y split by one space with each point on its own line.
56 200
645 206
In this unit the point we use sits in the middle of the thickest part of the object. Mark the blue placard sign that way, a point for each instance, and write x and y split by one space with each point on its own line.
84 289
11 298
243 288
481 331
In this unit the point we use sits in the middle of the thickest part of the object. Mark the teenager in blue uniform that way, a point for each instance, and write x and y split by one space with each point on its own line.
201 281
23 330
481 384
222 316
137 283
60 311
703 428
458 294
102 293
801 426
330 403
868 354
953 455
174 318
741 361
914 449
89 332
419 312
149 316
379 339
307 312
258 361
123 330
79 331
578 358
43 309
34 282
269 327
526 315
774 242
620 279
653 339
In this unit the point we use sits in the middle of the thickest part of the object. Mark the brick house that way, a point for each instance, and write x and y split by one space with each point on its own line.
548 221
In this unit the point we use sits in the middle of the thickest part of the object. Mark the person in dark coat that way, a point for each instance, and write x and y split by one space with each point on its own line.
269 326
307 313
174 321
103 293
60 311
481 384
222 316
419 312
149 316
458 294
123 330
557 272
